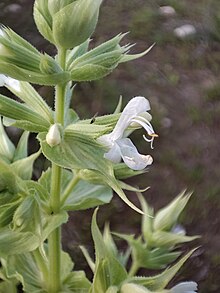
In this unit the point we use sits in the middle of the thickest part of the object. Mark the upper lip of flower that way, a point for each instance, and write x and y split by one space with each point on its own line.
133 116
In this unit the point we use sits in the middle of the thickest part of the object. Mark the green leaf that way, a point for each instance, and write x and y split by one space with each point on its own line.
90 72
122 171
76 282
37 190
21 150
86 195
76 151
8 287
24 167
88 129
80 151
99 52
82 195
18 73
31 98
72 281
76 52
43 19
24 124
160 258
122 257
139 251
8 179
70 117
7 148
8 209
14 242
101 281
159 282
128 57
18 111
51 222
147 219
167 239
28 216
106 120
88 258
108 270
23 267
45 182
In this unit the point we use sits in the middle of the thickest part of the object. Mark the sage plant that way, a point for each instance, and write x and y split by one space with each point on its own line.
89 160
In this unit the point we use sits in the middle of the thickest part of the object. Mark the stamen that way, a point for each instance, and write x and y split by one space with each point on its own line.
148 127
154 135
145 124
149 140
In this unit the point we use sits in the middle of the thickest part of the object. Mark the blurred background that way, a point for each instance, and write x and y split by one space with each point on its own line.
180 76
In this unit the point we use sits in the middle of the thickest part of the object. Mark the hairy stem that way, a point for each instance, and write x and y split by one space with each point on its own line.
54 240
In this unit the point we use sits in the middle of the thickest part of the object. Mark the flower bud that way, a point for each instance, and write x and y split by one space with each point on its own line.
53 136
99 61
48 65
55 6
74 22
43 19
167 217
26 217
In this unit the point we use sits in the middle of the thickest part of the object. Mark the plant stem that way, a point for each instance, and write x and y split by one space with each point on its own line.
54 239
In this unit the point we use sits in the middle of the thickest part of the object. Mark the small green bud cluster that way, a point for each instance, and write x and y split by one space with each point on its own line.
20 60
162 230
154 248
66 23
114 263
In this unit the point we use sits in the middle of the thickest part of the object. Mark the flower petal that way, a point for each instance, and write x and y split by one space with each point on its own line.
2 79
131 157
12 83
185 287
114 154
135 106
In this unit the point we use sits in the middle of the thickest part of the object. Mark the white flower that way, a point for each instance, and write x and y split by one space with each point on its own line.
185 287
120 147
12 83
